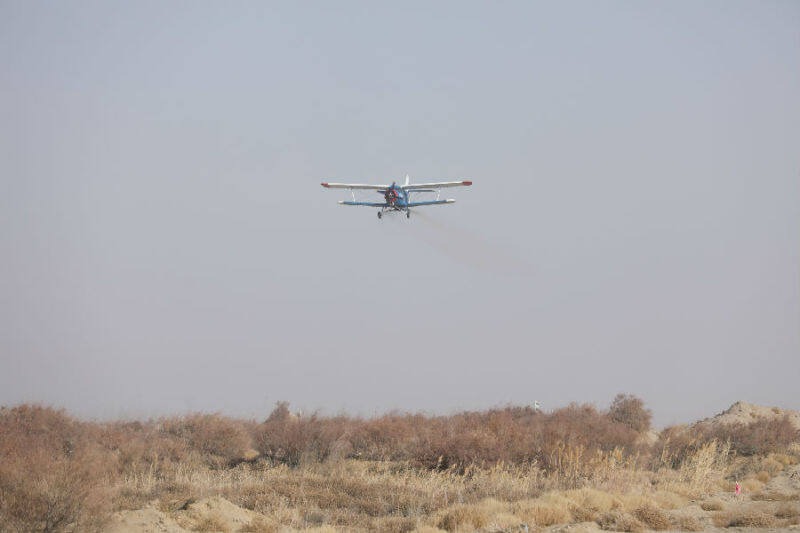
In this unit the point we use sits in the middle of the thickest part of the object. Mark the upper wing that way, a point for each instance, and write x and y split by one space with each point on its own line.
437 185
353 186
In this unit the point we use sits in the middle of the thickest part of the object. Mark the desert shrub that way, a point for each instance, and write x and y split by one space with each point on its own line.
220 440
53 476
293 440
146 447
583 425
629 411
762 437
509 435
757 438
392 437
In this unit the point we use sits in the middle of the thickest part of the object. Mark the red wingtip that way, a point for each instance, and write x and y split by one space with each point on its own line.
324 184
467 182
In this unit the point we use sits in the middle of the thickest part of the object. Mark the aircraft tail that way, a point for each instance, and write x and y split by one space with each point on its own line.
408 179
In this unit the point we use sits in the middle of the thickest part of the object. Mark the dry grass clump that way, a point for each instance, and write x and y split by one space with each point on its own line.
684 522
211 523
463 516
618 521
787 510
712 505
652 517
543 513
774 496
260 525
744 518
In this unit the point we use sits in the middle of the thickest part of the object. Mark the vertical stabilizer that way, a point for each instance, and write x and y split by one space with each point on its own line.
407 180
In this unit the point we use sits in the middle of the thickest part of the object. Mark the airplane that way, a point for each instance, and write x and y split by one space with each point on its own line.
398 197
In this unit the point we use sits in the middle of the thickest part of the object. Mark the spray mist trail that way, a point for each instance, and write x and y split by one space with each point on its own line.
467 248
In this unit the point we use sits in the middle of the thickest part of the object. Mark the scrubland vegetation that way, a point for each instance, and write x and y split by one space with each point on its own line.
496 470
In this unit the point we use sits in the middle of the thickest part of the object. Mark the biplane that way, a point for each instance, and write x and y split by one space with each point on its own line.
398 198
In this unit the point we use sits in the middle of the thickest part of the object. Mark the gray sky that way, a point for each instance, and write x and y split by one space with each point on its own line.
634 224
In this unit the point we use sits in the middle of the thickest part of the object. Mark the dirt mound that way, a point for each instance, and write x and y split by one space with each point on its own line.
148 520
746 413
209 514
216 514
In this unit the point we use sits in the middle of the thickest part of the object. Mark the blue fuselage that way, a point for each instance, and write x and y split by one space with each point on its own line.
396 197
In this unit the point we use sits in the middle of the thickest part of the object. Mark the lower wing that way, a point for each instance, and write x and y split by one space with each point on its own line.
368 204
432 202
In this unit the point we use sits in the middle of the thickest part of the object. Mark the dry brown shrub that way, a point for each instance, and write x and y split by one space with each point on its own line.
509 435
630 411
652 517
757 438
294 440
221 441
53 475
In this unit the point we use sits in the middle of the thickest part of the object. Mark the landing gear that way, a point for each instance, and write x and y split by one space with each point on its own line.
408 214
380 214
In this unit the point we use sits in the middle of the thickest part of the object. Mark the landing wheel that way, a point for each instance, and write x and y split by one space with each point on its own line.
380 214
408 214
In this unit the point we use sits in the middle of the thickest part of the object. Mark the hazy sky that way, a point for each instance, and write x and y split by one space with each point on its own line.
634 224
